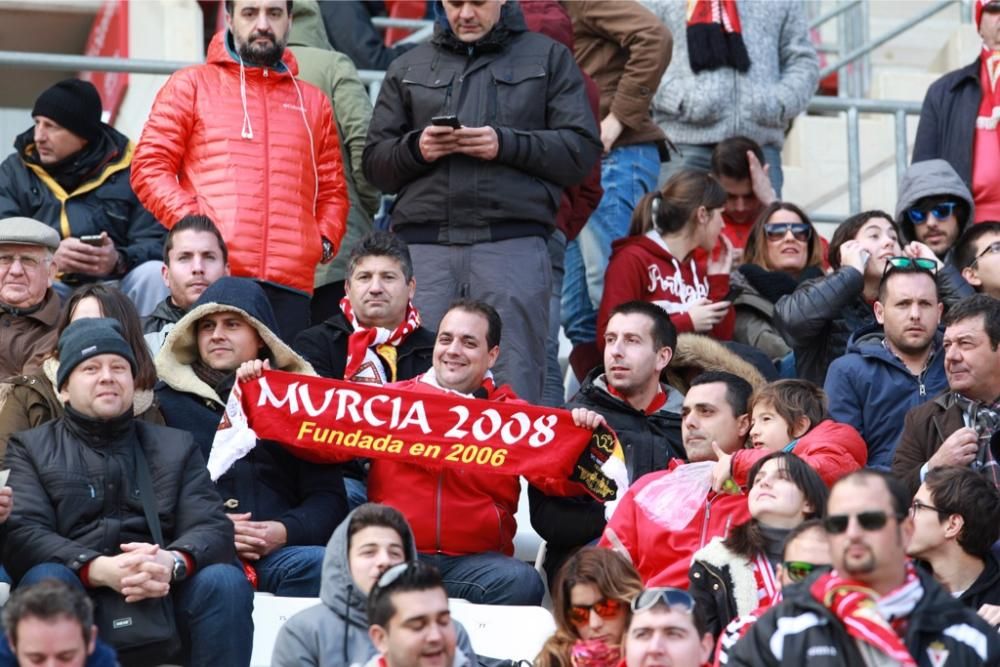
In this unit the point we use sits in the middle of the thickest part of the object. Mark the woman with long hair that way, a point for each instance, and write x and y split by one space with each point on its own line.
783 249
590 601
32 400
733 576
665 258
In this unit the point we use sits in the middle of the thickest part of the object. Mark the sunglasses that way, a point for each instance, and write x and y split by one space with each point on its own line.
988 250
672 597
917 263
777 230
836 524
579 614
917 505
940 212
797 570
392 574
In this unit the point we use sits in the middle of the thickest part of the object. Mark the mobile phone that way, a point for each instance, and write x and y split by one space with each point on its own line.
93 239
446 121
733 293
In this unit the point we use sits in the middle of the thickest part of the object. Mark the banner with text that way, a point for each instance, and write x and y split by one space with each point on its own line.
331 421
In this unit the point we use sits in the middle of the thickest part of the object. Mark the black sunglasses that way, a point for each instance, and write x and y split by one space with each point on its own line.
940 212
904 263
777 230
797 570
836 524
672 597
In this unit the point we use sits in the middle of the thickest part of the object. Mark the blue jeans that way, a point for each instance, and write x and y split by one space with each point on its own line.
553 394
214 611
488 578
697 156
627 173
357 493
291 571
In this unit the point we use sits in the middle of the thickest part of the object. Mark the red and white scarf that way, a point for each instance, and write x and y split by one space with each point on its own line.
878 621
368 347
768 592
986 150
714 37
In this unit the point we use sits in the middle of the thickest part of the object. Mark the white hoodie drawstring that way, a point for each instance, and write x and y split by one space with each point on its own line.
247 131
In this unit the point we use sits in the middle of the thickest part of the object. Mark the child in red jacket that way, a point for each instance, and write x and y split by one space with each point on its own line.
791 416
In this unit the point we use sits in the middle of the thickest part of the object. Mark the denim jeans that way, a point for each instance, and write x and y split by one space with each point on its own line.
357 493
488 578
291 571
214 611
143 285
553 394
696 156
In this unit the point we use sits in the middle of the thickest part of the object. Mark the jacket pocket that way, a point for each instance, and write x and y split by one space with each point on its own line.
521 96
430 94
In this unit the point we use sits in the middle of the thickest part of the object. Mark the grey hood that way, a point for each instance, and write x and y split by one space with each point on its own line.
926 179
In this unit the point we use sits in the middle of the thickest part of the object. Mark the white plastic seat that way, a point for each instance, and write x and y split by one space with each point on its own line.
504 631
269 613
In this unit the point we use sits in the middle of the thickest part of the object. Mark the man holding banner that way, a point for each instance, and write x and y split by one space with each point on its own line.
450 464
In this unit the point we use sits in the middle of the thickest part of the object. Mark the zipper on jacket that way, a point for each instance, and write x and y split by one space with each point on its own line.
437 512
265 141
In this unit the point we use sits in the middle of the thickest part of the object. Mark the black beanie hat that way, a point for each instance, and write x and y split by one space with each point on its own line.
74 104
88 338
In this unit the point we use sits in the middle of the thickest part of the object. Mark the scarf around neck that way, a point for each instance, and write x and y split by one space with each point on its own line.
714 37
367 347
878 621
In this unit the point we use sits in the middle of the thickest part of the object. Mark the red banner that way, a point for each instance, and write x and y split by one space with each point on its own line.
109 37
328 421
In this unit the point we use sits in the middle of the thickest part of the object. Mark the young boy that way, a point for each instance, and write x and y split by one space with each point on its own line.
791 415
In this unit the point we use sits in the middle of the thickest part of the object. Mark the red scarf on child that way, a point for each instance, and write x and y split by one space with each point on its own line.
714 37
986 154
876 620
368 347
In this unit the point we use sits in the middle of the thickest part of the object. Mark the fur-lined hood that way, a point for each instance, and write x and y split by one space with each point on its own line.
694 351
235 295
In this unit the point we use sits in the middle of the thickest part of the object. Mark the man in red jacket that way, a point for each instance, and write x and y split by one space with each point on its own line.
463 522
240 140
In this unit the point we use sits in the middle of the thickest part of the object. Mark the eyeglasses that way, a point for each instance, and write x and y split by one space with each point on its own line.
672 597
836 524
28 262
777 230
940 212
918 505
988 250
797 570
904 263
605 608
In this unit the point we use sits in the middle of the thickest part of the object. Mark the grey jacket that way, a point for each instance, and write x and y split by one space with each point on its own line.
710 106
335 632
926 179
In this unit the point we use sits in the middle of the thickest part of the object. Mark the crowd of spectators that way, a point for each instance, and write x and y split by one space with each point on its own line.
806 433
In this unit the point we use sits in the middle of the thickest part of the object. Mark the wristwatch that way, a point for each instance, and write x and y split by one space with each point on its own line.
180 570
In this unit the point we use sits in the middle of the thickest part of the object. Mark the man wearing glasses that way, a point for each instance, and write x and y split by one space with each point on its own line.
29 308
874 607
666 628
956 520
934 206
409 620
958 426
976 256
894 364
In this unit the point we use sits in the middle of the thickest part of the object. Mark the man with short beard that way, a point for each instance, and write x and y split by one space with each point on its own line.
874 607
891 366
240 140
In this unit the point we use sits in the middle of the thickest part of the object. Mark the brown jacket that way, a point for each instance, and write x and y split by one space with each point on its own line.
625 48
25 340
924 429
27 401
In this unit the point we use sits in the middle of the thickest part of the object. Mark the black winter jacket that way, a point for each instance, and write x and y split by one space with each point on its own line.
102 202
818 318
524 85
986 588
165 313
947 127
801 631
78 498
325 347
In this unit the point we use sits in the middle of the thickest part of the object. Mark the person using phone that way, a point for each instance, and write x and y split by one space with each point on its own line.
71 171
477 203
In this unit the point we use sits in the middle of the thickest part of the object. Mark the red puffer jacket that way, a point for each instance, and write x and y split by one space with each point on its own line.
455 512
267 170
662 556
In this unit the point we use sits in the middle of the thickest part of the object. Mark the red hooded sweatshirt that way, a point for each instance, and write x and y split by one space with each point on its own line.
642 269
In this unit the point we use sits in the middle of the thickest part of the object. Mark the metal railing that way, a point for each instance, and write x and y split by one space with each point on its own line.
854 108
